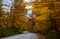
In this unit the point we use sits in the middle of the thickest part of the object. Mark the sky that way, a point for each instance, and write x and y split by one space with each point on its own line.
9 5
28 0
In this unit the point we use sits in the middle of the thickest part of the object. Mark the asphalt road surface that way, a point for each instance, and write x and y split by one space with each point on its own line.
23 36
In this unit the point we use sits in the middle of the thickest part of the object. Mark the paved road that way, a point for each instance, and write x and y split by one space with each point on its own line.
23 36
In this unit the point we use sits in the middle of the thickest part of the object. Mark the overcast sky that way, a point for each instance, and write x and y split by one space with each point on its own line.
8 3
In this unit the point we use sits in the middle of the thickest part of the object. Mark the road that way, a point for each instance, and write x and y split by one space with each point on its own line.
23 36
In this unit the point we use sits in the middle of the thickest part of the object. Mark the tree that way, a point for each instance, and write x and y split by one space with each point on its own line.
17 16
42 16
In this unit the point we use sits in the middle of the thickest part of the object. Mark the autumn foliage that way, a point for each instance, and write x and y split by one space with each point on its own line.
47 17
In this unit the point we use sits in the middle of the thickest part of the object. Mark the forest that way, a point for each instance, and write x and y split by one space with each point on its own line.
36 16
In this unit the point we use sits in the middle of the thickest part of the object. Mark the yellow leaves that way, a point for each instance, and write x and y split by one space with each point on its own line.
41 23
24 26
36 11
3 27
16 18
44 10
48 0
40 27
44 14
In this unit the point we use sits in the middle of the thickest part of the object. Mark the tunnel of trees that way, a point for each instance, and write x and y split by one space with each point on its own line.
38 16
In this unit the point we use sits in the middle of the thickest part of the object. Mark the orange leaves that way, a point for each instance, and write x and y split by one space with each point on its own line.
41 25
36 11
